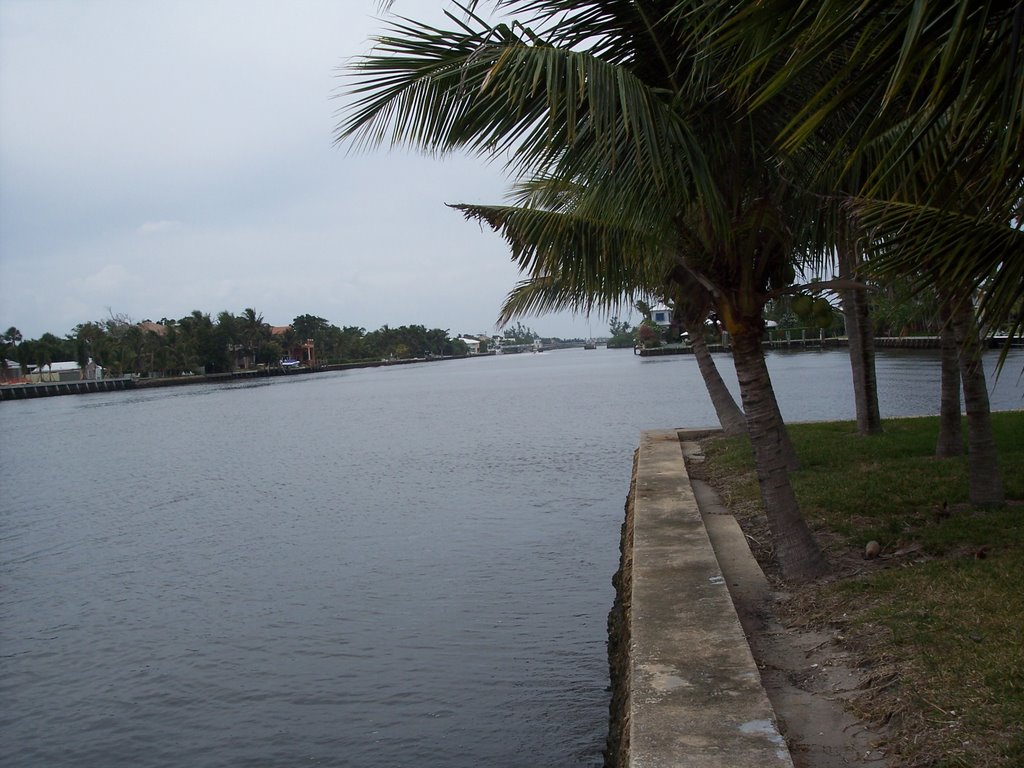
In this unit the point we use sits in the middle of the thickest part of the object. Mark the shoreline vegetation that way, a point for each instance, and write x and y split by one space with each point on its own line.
924 589
119 353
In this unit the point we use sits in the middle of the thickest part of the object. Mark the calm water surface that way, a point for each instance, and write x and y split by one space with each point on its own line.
386 567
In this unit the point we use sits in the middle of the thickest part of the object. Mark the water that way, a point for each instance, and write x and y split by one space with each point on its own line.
386 567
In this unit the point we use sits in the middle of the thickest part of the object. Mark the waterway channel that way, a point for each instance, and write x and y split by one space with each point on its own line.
385 567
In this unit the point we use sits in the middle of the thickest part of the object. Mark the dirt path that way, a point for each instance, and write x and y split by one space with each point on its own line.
809 677
809 681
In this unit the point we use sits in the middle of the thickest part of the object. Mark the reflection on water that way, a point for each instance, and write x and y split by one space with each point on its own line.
386 567
819 385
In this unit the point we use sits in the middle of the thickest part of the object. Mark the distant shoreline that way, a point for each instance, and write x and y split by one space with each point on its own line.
87 386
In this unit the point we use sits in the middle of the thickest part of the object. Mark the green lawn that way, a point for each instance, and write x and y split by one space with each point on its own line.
940 615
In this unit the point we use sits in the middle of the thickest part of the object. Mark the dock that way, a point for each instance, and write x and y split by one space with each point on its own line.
804 341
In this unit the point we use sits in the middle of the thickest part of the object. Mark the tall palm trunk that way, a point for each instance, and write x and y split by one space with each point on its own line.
795 548
729 414
861 338
984 481
789 451
951 440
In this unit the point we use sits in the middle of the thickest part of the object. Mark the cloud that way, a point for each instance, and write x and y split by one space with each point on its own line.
108 281
158 227
196 170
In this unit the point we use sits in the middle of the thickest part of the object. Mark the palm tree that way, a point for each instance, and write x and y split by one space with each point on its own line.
93 342
25 355
910 90
200 349
950 440
11 339
290 342
953 183
922 86
934 93
181 349
551 293
552 217
254 331
623 101
43 354
859 334
228 329
985 485
692 306
565 246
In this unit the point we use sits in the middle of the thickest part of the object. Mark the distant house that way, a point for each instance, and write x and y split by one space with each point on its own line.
64 371
662 315
157 328
11 371
303 350
473 344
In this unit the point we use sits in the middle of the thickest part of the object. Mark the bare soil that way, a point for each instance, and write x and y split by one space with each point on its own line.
824 691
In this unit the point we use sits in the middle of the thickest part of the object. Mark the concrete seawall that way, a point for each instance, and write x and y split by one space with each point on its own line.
51 389
819 342
685 688
54 389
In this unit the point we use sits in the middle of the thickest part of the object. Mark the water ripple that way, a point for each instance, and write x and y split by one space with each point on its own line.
374 568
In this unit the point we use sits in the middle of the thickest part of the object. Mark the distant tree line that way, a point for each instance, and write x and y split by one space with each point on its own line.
896 311
519 334
200 343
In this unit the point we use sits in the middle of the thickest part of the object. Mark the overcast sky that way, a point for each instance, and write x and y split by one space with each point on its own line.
163 156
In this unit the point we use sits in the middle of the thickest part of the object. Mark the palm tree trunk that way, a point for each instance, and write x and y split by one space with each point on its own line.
951 439
795 548
792 459
730 416
861 339
984 481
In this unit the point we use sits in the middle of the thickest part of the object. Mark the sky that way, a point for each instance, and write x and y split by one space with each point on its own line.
163 156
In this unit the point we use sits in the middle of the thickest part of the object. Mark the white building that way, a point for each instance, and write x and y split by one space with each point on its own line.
473 344
66 370
662 315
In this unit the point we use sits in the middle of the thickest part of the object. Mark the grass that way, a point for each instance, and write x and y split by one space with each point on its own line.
939 617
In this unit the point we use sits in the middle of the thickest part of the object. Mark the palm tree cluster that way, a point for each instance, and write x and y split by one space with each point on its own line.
199 343
712 154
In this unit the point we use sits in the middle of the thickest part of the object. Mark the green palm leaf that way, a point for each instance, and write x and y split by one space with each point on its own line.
504 91
961 59
971 251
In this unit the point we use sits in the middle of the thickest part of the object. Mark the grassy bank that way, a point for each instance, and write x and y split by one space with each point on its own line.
937 620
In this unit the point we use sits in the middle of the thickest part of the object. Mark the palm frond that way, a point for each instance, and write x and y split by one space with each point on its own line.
591 252
553 293
502 89
960 62
970 252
